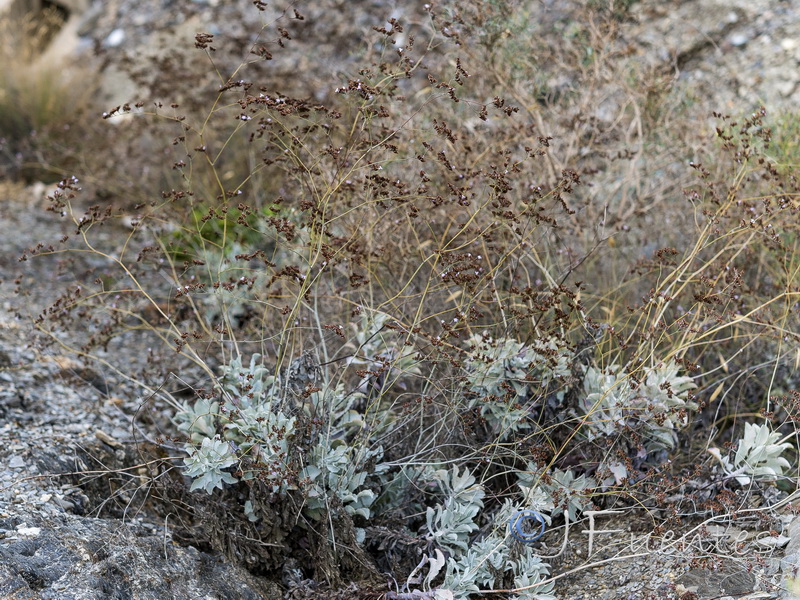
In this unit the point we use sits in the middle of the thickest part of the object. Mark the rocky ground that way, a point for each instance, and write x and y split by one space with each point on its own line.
63 425
68 532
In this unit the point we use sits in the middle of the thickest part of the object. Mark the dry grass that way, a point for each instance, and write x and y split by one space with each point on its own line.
39 101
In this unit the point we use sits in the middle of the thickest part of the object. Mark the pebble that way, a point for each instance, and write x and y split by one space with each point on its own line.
115 38
121 434
65 504
739 39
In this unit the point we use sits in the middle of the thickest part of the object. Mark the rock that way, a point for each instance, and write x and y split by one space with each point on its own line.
732 579
777 541
94 559
739 39
16 462
13 586
107 439
115 38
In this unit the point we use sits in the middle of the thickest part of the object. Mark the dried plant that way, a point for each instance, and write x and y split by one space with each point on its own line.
443 323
